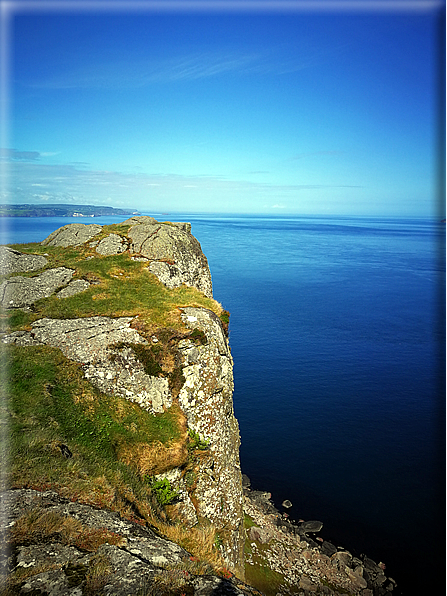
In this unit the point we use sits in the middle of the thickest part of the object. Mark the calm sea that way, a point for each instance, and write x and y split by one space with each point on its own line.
338 335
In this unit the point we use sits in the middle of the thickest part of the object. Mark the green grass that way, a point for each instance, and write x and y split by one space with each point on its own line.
259 574
123 288
50 403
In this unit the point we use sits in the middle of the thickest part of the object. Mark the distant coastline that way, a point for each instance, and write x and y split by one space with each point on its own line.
62 210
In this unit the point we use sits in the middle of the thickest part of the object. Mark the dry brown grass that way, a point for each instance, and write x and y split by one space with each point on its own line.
98 574
40 525
20 575
153 459
199 541
149 459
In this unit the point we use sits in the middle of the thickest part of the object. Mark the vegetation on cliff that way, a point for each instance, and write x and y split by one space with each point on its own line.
89 446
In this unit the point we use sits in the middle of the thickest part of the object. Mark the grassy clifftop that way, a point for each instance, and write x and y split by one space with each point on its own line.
95 448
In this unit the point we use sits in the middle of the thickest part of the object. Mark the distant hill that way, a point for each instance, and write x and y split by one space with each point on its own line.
61 210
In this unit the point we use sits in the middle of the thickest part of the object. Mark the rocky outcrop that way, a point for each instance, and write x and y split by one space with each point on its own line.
19 292
305 562
174 255
72 235
113 244
91 341
13 261
72 549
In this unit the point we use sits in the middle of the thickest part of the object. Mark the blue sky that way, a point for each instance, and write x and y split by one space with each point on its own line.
282 109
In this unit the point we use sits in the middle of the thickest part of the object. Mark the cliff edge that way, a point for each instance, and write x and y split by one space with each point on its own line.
129 310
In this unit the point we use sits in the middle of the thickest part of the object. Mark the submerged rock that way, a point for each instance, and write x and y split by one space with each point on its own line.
311 526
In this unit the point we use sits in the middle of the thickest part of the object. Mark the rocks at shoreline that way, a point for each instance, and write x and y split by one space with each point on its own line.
308 563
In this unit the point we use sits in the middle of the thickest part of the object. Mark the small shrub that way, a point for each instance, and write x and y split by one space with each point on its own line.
163 491
225 320
196 442
98 574
199 337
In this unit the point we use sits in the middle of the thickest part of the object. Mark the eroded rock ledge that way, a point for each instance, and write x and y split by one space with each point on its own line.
131 560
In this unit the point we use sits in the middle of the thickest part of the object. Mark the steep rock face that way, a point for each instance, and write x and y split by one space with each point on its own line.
206 399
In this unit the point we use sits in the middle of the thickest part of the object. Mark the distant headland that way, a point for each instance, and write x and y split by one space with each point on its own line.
61 210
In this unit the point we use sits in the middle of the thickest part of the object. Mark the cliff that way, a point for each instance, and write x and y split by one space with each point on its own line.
124 473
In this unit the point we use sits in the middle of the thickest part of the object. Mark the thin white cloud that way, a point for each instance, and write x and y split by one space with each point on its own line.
14 155
135 73
66 183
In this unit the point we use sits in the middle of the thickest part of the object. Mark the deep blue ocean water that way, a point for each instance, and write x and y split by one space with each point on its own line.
338 338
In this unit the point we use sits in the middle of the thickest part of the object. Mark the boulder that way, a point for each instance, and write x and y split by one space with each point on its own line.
13 261
174 254
341 559
74 287
112 244
307 584
311 526
19 292
246 482
328 548
261 535
72 235
262 500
